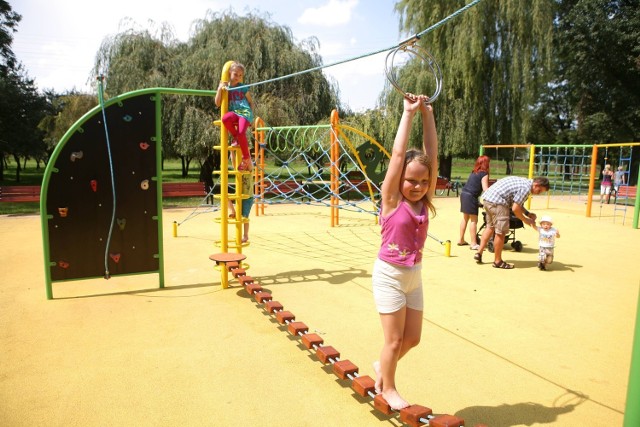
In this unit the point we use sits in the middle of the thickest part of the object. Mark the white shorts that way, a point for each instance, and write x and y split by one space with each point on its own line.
395 287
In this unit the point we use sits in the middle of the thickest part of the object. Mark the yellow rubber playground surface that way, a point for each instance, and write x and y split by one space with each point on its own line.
502 348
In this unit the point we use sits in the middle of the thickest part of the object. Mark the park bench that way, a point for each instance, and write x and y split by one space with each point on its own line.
625 192
31 193
20 193
183 189
442 183
446 184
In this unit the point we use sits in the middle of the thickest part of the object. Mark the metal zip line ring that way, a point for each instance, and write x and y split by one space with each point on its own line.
420 54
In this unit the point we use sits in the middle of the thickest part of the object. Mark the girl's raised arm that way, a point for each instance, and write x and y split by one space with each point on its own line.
390 190
430 142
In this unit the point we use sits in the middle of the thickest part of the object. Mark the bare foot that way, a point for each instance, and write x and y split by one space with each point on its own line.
394 400
245 239
376 369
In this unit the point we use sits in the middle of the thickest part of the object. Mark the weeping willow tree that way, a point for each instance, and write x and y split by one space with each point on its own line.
66 110
141 59
495 59
268 51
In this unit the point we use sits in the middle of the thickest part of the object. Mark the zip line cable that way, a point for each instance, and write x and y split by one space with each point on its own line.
406 42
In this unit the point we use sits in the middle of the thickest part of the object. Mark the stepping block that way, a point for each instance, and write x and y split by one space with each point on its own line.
344 368
297 327
273 306
232 265
364 385
252 288
238 272
312 340
285 316
446 421
245 280
411 415
262 296
381 405
325 353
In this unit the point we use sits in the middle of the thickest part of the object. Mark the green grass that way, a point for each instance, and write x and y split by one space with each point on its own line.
19 208
31 175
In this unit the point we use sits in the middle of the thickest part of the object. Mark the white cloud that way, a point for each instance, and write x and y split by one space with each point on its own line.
353 71
334 13
57 41
328 49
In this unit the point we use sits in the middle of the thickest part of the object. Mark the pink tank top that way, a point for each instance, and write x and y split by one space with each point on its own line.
403 235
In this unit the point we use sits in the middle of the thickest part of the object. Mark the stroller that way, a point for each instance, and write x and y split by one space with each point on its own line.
514 224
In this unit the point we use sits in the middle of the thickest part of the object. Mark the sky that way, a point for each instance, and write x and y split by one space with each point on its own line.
57 40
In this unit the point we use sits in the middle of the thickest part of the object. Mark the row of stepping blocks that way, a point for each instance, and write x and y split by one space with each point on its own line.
414 415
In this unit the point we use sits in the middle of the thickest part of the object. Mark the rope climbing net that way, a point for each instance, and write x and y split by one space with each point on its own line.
301 169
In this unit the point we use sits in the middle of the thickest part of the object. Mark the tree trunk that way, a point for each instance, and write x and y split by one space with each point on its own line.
18 167
185 165
444 166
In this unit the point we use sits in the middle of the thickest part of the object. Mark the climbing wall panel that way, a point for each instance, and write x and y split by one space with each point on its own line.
81 198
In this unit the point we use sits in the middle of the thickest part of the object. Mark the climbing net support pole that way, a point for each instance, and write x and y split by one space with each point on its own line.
445 243
335 169
592 179
259 137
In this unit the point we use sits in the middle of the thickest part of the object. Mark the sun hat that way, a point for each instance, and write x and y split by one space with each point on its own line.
546 218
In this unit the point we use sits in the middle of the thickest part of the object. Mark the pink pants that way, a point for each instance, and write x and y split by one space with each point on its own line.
237 126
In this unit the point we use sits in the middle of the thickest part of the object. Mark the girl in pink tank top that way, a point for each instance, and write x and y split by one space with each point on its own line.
407 192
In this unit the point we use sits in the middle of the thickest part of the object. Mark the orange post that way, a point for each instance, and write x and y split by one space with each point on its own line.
259 186
592 179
